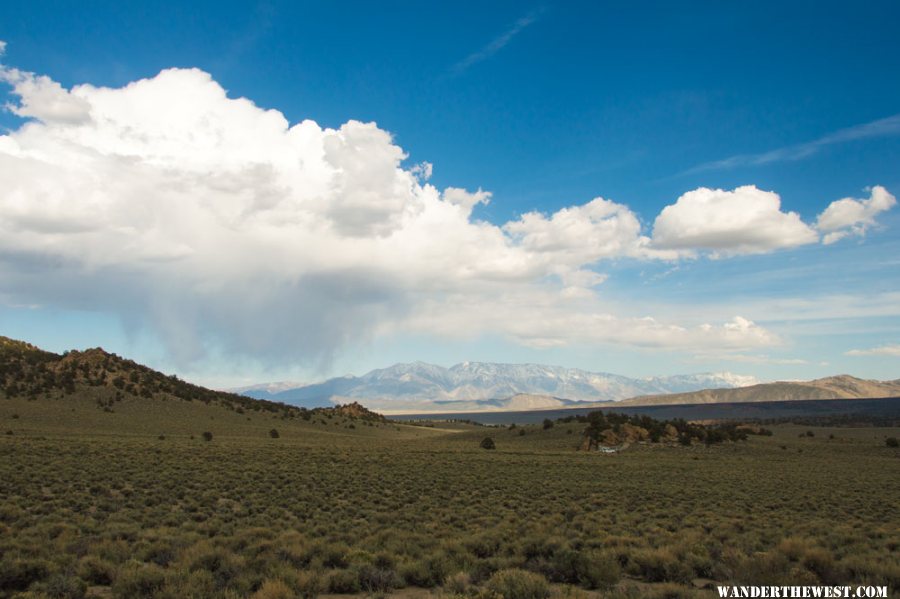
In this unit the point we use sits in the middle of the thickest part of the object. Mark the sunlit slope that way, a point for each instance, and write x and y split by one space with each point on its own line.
833 387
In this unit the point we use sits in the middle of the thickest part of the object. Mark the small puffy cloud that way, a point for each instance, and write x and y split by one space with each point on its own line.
577 235
747 220
884 350
851 216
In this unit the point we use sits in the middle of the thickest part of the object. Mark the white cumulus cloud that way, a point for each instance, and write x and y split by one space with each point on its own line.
747 220
217 224
851 216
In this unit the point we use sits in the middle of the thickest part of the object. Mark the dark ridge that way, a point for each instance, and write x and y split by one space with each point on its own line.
29 372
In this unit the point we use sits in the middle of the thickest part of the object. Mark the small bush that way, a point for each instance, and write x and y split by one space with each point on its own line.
344 582
223 565
374 579
458 584
96 571
60 586
767 568
487 443
18 574
892 442
548 423
821 563
207 436
309 584
274 433
514 583
661 565
274 589
139 580
590 570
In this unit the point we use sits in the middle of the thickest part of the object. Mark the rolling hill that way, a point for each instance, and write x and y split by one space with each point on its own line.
93 390
834 387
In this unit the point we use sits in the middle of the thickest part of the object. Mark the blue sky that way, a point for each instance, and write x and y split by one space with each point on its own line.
544 105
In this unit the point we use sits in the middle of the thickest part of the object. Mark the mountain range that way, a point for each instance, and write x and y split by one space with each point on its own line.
484 386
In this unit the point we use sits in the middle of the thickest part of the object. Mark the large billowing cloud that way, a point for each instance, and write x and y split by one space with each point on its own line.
218 224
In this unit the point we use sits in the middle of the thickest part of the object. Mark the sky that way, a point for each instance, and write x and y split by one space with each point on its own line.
247 192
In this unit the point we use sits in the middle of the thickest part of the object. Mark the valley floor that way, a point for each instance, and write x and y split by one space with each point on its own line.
144 507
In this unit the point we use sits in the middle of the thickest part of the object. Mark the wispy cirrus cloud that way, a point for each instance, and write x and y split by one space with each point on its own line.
885 127
884 350
745 358
497 44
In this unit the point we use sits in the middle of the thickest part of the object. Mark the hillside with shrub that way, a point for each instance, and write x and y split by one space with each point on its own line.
28 372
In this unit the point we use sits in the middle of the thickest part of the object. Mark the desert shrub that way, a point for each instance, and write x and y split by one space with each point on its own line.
18 574
793 548
540 546
308 584
332 555
458 584
670 591
373 579
274 589
485 545
343 582
274 433
207 436
660 565
114 551
60 586
428 572
293 550
483 569
767 568
589 569
223 565
199 583
821 563
96 570
514 583
892 442
416 573
547 423
802 577
138 580
487 443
